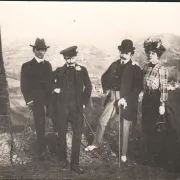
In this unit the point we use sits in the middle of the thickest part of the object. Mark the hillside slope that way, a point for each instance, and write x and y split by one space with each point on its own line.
95 59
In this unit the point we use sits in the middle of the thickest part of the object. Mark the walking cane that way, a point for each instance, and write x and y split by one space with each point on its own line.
119 136
119 163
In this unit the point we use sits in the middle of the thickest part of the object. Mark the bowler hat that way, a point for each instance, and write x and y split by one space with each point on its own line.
40 44
126 46
70 51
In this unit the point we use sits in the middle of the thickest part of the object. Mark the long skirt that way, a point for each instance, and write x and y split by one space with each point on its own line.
150 115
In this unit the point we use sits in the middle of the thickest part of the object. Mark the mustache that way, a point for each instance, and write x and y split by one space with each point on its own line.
70 63
123 58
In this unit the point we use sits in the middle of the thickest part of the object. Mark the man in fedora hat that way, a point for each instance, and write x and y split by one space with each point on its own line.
37 87
122 84
73 90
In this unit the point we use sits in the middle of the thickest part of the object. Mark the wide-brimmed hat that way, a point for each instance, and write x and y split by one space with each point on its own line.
70 51
40 44
154 44
126 46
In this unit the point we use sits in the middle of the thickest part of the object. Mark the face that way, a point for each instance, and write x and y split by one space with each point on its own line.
39 53
152 57
125 56
70 60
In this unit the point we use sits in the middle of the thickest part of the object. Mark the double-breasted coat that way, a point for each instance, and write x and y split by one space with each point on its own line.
75 90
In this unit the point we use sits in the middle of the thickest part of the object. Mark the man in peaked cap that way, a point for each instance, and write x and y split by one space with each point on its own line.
71 51
121 83
37 87
73 90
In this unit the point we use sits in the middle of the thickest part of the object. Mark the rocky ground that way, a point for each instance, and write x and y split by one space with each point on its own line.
27 166
102 164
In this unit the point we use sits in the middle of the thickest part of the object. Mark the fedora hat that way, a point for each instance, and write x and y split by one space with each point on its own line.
70 51
126 46
40 44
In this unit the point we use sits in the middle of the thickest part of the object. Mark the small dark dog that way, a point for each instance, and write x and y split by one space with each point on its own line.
52 143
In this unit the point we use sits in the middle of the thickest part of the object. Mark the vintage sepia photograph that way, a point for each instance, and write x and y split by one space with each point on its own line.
90 90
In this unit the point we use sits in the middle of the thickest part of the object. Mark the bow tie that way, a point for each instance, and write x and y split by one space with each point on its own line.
41 62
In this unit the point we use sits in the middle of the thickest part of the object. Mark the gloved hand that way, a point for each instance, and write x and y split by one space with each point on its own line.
57 90
122 102
161 110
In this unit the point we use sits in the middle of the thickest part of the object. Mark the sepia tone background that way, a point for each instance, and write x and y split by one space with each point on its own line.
97 28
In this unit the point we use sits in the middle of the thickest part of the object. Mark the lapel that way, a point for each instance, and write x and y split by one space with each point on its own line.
32 68
127 78
61 73
35 66
34 62
78 75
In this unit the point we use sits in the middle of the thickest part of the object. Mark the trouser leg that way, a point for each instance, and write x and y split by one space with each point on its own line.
62 117
108 113
76 119
39 119
126 128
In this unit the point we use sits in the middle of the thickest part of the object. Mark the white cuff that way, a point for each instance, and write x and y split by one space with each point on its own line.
29 102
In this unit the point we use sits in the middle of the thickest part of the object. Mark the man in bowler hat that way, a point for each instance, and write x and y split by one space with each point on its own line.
121 83
73 90
37 87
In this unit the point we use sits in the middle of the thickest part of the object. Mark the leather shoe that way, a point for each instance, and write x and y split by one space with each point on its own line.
123 159
90 148
64 164
77 169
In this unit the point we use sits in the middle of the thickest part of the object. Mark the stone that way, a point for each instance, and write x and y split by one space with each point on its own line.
15 156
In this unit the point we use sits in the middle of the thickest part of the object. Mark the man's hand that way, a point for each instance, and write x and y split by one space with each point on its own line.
57 90
106 92
161 110
122 102
30 105
84 106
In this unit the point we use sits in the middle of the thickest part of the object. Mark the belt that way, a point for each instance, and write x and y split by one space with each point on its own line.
151 91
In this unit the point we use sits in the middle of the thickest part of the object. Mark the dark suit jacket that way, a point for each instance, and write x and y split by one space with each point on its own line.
82 81
131 82
36 80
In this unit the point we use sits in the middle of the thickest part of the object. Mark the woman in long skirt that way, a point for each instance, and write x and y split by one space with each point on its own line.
155 83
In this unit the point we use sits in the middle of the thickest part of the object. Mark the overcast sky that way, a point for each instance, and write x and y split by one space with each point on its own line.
97 23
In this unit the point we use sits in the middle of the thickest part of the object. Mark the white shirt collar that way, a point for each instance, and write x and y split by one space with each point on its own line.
73 65
125 62
38 60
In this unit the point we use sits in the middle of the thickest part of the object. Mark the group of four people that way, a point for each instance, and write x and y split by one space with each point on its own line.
70 85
